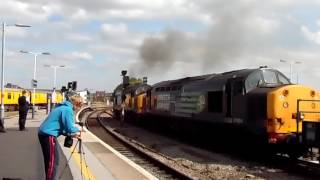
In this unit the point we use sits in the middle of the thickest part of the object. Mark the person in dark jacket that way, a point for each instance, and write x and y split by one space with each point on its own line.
23 110
2 129
59 122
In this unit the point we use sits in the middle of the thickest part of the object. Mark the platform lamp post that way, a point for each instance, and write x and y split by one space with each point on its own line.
291 63
34 81
54 77
4 25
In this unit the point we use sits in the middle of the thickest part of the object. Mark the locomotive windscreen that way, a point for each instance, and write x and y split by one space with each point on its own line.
265 78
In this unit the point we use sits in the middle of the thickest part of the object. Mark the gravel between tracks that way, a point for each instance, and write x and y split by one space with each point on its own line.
199 163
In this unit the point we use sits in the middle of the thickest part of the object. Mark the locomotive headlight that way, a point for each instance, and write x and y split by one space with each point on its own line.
285 104
312 93
285 92
302 116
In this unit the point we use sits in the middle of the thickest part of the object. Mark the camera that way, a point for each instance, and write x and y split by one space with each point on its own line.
68 141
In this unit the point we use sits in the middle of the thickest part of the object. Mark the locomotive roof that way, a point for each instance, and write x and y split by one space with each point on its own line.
132 87
182 81
38 90
205 82
207 77
44 90
13 89
137 86
218 82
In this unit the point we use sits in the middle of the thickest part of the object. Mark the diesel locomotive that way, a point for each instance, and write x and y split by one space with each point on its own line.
261 102
11 96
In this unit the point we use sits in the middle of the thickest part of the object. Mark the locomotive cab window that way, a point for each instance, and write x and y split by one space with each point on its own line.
253 81
270 77
265 78
9 95
283 79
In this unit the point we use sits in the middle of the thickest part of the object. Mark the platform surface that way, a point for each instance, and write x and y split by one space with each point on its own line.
21 156
20 151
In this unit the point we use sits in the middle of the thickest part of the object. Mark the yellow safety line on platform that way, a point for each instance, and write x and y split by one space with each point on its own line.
85 170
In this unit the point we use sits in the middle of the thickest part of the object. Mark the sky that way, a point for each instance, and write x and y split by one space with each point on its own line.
159 39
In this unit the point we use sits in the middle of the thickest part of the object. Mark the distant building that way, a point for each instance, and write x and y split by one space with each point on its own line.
101 96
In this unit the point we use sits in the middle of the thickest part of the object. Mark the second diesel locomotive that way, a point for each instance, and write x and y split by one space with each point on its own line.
261 102
11 96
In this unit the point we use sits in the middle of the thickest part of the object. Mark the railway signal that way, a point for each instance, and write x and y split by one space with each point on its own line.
72 85
144 80
63 89
34 83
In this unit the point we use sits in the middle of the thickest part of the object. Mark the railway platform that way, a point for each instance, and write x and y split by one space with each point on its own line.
21 156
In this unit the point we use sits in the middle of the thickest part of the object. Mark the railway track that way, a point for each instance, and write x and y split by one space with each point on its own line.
300 167
157 168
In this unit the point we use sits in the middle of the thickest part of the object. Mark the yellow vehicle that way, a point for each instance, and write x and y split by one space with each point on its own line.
59 97
42 95
11 96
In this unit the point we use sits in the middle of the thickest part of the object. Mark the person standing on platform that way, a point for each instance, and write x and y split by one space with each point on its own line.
60 121
23 110
2 129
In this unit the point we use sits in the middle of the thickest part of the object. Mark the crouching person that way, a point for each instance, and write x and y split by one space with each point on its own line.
59 122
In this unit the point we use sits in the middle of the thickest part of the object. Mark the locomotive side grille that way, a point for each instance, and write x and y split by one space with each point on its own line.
311 133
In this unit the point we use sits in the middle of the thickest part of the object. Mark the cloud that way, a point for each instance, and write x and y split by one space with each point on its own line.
80 55
77 37
235 33
311 36
80 15
117 29
161 39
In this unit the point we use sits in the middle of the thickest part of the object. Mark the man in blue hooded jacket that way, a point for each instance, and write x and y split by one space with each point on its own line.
59 122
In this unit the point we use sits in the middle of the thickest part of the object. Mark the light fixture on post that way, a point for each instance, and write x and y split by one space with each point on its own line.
34 81
291 63
4 25
54 79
